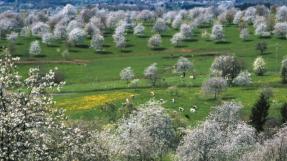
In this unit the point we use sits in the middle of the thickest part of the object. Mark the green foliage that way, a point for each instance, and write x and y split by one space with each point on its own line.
284 113
260 112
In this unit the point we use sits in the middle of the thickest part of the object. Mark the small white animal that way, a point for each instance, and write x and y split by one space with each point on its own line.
192 110
173 100
181 109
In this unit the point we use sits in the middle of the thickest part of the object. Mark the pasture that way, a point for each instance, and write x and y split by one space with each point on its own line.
93 82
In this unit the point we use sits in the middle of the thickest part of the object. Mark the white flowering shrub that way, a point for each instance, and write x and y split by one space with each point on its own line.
249 15
228 65
35 48
160 26
243 79
139 30
119 36
146 15
271 149
48 38
244 34
76 36
217 33
214 86
30 128
147 134
261 30
92 29
176 23
151 73
177 39
60 32
281 14
127 74
40 28
259 66
223 136
12 37
120 41
280 29
237 17
183 65
97 42
186 31
154 41
134 83
26 31
73 25
205 35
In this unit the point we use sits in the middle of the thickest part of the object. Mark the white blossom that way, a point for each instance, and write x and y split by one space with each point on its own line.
244 34
139 30
177 39
261 30
259 66
35 48
223 136
243 79
183 65
127 74
151 73
146 134
217 33
97 42
40 28
76 36
281 15
48 38
176 23
12 37
280 29
154 41
214 86
160 26
186 31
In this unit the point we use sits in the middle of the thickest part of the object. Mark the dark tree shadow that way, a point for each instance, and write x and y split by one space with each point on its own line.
126 51
53 46
143 36
159 49
223 42
73 50
83 46
191 40
40 56
104 52
129 45
166 36
106 46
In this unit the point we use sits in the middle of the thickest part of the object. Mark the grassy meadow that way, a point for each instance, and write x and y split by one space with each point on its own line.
93 82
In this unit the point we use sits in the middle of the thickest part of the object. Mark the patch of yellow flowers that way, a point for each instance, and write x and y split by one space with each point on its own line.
89 102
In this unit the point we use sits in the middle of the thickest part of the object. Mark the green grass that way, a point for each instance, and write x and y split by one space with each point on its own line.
101 73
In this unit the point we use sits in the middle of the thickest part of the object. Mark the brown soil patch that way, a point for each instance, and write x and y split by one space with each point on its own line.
185 50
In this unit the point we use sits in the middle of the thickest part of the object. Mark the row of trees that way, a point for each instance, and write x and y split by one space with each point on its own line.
74 25
225 71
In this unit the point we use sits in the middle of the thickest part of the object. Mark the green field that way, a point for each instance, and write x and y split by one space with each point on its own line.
96 75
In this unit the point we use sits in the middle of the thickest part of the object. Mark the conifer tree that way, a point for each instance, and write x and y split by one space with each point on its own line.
260 112
284 113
